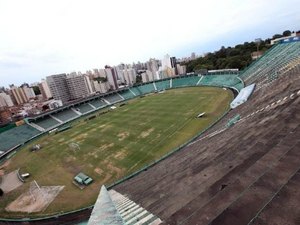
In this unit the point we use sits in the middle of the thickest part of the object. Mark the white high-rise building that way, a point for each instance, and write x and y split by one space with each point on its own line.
129 76
150 74
112 78
5 100
101 87
102 73
78 86
181 69
145 77
29 92
166 62
58 87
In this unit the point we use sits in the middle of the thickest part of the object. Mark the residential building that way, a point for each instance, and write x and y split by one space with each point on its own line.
5 100
78 86
18 94
111 77
45 90
58 87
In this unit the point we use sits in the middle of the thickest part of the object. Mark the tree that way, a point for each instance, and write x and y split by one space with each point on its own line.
287 33
277 36
36 90
139 79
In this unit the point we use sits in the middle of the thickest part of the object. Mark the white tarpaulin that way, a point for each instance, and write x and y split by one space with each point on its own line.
242 96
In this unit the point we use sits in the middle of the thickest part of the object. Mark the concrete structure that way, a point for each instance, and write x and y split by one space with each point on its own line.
18 94
181 69
5 100
78 85
101 87
168 67
29 92
129 76
153 66
111 77
145 77
45 90
58 87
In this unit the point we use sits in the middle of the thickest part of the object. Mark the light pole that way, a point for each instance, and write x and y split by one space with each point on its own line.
257 41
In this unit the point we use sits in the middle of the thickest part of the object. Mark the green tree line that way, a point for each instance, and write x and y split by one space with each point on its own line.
238 57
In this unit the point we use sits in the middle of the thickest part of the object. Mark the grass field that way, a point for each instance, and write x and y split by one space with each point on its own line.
116 144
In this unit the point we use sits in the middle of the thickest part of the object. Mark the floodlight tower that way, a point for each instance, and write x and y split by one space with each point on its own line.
257 41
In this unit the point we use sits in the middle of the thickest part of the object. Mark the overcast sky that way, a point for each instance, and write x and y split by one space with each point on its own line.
41 38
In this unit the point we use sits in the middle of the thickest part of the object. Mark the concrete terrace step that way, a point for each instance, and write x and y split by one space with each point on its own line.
283 206
235 205
131 212
207 186
234 176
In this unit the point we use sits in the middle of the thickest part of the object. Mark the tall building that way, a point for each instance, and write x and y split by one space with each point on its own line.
145 77
45 90
181 69
29 92
101 87
153 66
58 87
5 100
129 76
18 94
78 86
168 67
111 77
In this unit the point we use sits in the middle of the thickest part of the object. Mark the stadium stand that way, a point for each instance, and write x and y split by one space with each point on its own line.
16 136
114 208
247 173
127 94
65 115
221 81
46 122
135 90
185 81
279 59
113 98
84 108
98 103
162 85
146 88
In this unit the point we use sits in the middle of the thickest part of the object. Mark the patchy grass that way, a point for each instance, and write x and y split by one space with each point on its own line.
115 144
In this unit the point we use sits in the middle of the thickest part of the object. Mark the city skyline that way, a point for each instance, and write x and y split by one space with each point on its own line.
39 39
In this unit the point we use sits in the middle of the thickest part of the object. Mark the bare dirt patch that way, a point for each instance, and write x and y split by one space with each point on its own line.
80 137
10 182
70 158
113 168
4 165
98 171
34 200
146 133
121 154
123 135
106 146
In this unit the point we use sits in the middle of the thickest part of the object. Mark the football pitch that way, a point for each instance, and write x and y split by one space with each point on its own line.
115 144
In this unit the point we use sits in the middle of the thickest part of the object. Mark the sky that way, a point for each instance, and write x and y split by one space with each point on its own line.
41 38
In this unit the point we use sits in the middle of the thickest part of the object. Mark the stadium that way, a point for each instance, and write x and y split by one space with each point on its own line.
215 148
